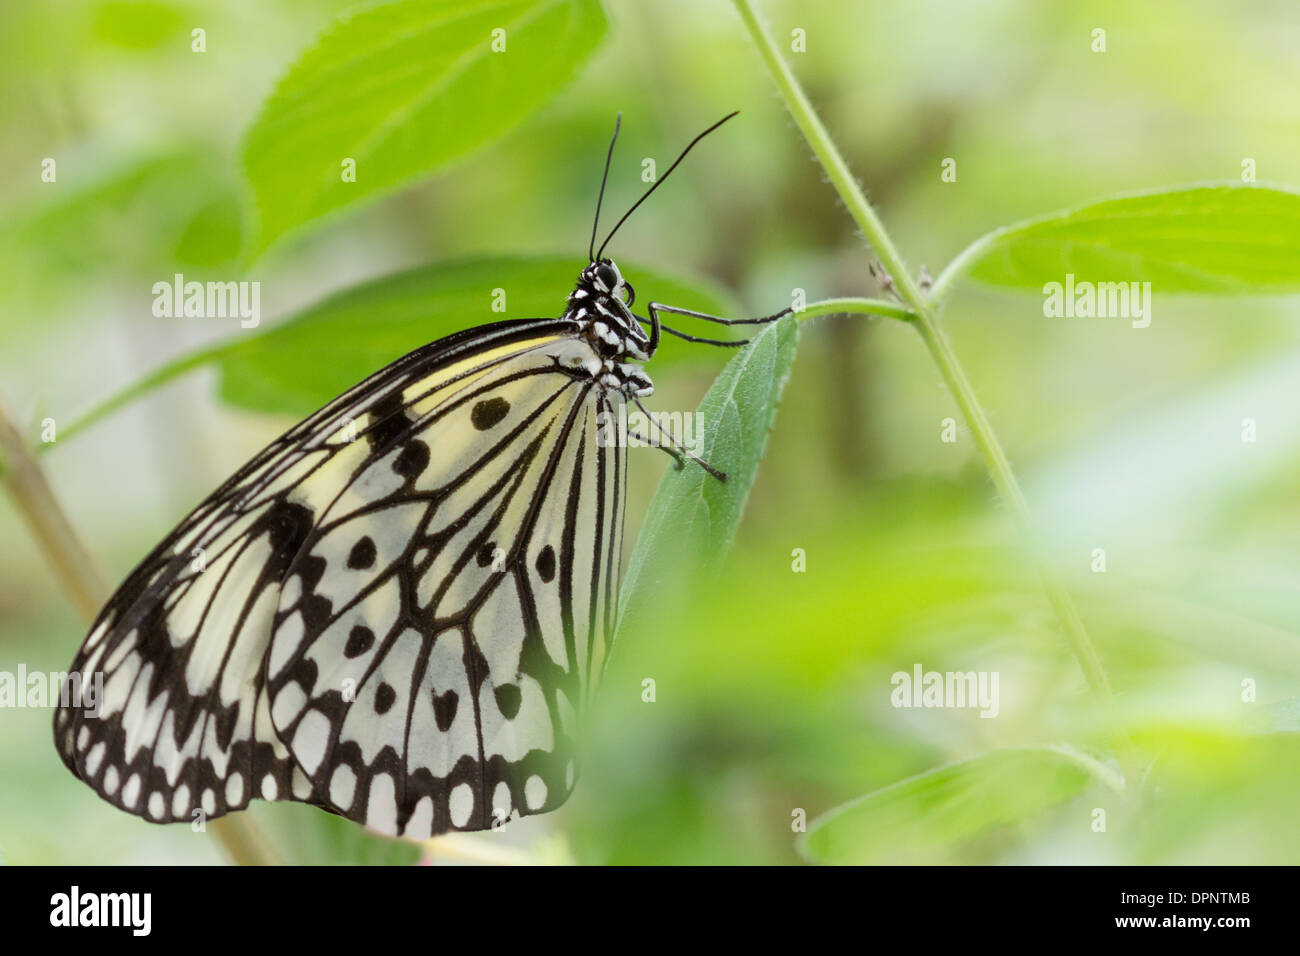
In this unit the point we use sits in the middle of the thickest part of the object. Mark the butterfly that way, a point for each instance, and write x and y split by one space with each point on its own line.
398 610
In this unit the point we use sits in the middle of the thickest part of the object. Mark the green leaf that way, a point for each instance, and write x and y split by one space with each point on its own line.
307 836
693 516
107 199
1226 238
922 817
298 365
402 89
137 24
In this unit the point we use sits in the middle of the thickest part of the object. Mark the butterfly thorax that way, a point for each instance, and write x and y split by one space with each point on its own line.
606 322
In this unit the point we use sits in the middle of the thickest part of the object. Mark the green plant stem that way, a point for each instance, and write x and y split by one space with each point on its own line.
925 321
882 307
243 840
1099 771
828 155
1004 479
959 266
77 573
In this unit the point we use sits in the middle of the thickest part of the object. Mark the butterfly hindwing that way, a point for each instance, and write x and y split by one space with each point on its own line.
419 669
388 488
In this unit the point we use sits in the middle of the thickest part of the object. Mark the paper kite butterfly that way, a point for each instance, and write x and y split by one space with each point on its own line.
405 600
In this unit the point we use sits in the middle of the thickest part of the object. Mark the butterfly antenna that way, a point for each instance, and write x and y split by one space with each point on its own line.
618 122
659 182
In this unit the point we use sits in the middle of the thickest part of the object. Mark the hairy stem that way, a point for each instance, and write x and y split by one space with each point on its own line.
923 317
79 577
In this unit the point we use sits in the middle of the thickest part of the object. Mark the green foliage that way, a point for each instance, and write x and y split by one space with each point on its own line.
1227 238
770 682
403 89
148 212
926 816
136 24
693 517
306 836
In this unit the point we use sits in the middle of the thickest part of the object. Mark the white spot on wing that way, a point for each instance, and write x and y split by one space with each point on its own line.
501 799
310 739
288 704
460 804
343 786
381 809
131 792
287 638
93 758
420 826
235 789
535 792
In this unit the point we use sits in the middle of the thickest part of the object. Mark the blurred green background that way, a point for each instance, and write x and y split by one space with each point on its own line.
772 687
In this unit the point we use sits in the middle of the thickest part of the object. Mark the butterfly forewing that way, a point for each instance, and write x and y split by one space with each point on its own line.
394 611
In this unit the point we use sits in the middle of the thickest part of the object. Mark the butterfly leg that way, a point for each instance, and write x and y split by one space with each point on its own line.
761 320
689 338
677 449
679 461
655 323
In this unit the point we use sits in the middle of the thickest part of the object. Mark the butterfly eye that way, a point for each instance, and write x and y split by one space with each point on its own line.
607 276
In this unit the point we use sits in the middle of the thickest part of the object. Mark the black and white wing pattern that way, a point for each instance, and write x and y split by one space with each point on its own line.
395 611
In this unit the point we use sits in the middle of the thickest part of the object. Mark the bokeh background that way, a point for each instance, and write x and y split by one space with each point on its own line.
772 686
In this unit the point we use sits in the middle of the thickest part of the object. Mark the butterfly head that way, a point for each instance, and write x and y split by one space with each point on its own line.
602 303
603 278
